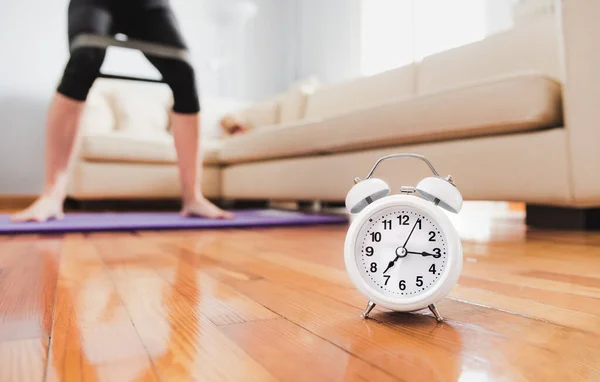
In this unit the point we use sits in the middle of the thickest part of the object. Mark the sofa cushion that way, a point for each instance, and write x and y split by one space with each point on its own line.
265 113
135 111
102 180
97 116
210 150
486 168
504 105
362 92
531 47
526 10
293 105
293 102
271 142
121 146
136 106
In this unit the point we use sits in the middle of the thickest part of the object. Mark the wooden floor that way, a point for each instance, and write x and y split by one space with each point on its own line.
276 304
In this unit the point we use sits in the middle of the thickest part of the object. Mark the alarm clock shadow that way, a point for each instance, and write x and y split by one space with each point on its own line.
432 348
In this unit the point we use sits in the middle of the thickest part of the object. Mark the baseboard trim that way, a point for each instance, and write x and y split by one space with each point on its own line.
16 202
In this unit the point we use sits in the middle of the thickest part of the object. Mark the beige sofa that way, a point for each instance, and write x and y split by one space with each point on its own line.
511 117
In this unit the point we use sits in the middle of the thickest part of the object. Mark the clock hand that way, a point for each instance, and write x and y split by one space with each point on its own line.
391 264
400 252
411 232
424 254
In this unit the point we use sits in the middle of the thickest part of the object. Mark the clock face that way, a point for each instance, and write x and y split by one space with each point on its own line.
401 251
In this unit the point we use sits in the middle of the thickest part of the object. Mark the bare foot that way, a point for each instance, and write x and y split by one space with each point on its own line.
45 208
204 208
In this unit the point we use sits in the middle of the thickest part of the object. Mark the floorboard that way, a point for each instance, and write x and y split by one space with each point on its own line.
23 360
93 337
28 274
292 353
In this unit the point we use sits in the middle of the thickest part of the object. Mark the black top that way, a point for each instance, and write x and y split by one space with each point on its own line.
122 3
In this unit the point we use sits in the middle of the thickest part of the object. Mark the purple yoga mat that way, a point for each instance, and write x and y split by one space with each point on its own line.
127 221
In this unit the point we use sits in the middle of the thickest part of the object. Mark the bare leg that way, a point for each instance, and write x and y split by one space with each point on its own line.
186 128
61 139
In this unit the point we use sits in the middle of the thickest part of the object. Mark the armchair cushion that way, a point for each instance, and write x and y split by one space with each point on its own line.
130 146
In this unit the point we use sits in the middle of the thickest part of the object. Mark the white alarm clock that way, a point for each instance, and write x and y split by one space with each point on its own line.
401 251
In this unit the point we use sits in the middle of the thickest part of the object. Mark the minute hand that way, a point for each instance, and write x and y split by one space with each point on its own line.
411 232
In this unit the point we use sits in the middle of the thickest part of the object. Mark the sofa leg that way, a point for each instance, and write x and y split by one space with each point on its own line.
562 217
72 204
305 204
333 204
309 205
123 205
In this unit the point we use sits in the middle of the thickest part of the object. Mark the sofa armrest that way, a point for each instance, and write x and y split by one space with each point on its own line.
579 24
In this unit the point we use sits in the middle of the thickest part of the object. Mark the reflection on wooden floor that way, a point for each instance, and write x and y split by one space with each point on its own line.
276 304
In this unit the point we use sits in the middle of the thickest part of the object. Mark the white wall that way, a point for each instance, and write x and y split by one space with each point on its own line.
498 16
34 51
328 39
267 46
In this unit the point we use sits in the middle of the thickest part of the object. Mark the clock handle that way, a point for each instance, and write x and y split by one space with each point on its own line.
396 156
441 191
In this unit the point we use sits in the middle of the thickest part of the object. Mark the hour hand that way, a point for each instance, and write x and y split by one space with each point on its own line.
400 252
391 264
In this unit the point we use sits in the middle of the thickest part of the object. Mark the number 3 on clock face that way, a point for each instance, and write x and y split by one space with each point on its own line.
403 253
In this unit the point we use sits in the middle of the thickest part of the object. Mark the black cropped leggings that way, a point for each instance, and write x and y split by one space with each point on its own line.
152 24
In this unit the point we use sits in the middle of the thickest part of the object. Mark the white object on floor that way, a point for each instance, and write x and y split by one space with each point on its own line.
401 251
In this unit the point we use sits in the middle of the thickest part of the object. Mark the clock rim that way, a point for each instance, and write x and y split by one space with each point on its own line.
442 286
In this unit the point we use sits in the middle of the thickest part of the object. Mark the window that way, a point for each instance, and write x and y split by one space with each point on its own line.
387 35
398 32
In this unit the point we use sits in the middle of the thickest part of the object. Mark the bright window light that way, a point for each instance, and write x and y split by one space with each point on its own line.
387 39
398 32
441 25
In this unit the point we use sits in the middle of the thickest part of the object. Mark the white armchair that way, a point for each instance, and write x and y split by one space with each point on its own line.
127 150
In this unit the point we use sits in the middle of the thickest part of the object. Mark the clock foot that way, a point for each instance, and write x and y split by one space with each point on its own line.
368 309
435 312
